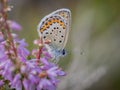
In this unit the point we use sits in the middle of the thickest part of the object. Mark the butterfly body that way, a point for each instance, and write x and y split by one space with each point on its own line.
55 27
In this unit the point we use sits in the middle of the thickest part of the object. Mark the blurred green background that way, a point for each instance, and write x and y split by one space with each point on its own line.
93 46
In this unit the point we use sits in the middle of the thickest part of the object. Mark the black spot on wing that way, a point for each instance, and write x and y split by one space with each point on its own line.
62 36
60 41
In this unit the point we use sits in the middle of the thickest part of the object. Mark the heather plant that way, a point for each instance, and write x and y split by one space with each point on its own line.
21 69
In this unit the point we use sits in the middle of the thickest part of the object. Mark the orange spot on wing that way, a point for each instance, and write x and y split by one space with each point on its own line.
55 20
48 24
58 21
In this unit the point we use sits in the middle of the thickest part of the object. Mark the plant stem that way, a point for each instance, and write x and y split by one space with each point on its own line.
6 32
40 50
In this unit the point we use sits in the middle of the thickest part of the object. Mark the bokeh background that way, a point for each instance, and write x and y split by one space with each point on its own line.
93 60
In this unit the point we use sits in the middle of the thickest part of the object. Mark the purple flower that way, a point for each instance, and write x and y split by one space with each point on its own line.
1 39
46 84
22 51
7 69
3 56
16 83
55 71
34 74
45 61
14 25
26 83
33 78
49 77
16 68
22 43
1 83
30 74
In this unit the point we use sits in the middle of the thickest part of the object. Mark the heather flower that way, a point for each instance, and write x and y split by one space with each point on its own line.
8 69
1 83
14 25
20 71
1 37
26 84
22 51
3 56
30 74
45 84
16 83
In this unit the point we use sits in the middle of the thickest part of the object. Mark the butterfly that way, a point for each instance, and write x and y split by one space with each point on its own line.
55 27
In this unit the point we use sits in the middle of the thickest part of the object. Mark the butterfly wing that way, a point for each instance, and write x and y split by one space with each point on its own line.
66 14
55 27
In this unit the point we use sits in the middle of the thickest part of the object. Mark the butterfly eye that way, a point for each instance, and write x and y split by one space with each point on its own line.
63 52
